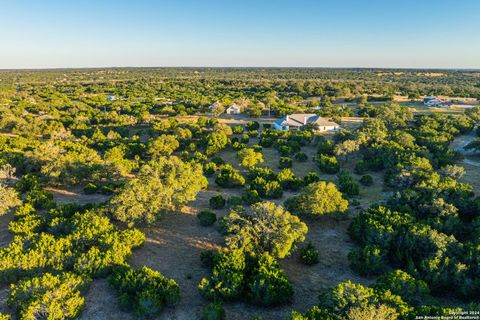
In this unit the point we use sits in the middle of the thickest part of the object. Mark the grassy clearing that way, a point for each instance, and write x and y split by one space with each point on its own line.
472 176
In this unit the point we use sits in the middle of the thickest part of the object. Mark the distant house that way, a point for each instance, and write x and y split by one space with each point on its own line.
297 121
431 101
234 109
111 98
213 105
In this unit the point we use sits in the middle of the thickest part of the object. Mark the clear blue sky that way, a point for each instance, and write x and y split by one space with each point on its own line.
335 33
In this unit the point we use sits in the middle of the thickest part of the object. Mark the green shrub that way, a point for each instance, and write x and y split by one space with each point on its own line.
53 297
209 168
238 129
234 201
229 178
40 199
213 311
209 257
108 189
269 285
404 285
285 162
366 180
311 177
285 151
347 185
144 291
207 217
218 160
251 196
252 125
309 255
301 157
367 261
217 202
90 189
27 183
264 285
227 279
361 167
328 164
266 189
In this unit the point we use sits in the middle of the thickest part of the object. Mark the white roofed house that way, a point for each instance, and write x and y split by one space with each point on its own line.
234 109
213 105
298 121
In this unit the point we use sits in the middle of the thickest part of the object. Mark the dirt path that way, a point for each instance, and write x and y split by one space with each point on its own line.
461 142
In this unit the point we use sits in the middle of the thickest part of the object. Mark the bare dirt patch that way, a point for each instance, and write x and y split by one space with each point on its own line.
77 196
173 247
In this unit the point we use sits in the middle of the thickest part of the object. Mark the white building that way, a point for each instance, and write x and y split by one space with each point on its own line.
431 101
213 105
297 121
234 109
111 98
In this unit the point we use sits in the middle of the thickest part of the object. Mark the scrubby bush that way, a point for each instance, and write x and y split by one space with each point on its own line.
40 199
213 311
404 285
309 255
266 189
229 178
361 167
217 202
144 291
8 199
68 238
252 125
90 188
285 162
347 185
207 217
288 181
366 180
251 196
234 201
263 283
249 158
238 129
328 164
367 261
310 178
269 285
285 150
301 156
48 296
227 279
209 168
209 257
325 147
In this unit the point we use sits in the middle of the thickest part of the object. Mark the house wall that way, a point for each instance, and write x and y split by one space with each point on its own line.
278 127
328 128
233 111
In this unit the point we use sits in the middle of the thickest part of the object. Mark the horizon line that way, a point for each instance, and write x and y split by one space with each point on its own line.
241 67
